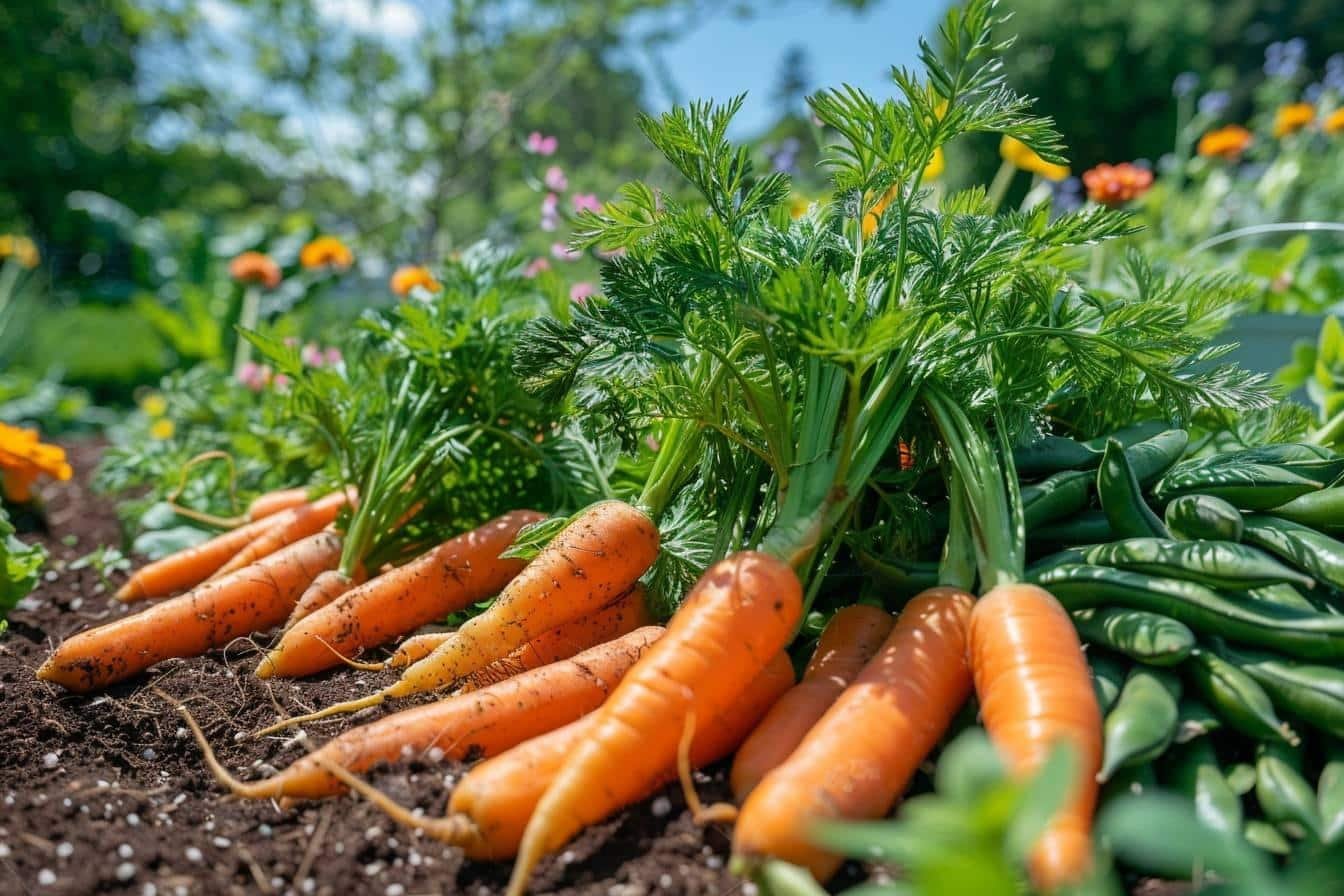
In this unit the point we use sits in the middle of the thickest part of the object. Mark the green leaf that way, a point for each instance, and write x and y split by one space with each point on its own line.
20 566
1041 799
159 543
1161 831
532 538
969 767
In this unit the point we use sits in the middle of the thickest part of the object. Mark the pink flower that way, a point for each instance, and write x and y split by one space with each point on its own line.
312 355
535 267
561 252
254 376
542 145
549 223
555 178
291 342
587 202
550 204
280 382
651 442
333 357
581 292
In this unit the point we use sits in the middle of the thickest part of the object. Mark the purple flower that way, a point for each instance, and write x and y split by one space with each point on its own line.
581 292
542 145
550 212
587 202
1284 59
1334 73
1066 195
1184 84
784 158
555 179
1214 103
535 267
561 252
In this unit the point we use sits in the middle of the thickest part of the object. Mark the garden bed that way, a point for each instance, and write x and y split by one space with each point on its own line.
108 793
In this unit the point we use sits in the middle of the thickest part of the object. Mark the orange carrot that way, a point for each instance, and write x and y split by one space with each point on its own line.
451 577
597 557
735 620
252 599
857 760
275 502
625 614
849 640
289 527
190 567
325 589
491 805
1035 691
483 723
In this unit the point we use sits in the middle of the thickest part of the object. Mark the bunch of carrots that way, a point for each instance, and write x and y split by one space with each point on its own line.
770 386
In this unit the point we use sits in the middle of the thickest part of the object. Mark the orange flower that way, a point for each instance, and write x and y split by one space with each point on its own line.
20 248
255 267
1023 156
1225 143
412 275
870 219
1334 122
326 252
1114 185
1292 118
23 459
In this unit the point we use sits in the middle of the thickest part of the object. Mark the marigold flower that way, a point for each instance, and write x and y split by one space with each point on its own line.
1334 122
24 458
410 276
1292 118
870 220
1114 185
1227 142
255 268
326 252
21 249
937 165
1023 156
162 429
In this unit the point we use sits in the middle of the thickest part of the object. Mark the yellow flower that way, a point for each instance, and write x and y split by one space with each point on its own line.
326 252
936 165
798 206
1226 142
162 428
1292 118
154 405
410 276
1334 122
21 249
23 459
1026 158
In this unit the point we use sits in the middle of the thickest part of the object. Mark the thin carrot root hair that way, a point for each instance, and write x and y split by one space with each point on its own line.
334 710
450 829
700 813
200 516
352 663
245 789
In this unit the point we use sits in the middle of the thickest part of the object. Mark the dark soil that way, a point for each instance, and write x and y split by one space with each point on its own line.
107 793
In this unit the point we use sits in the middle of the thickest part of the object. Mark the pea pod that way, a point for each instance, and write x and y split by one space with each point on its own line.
1195 772
1316 554
1284 795
1056 497
1142 723
1059 558
1312 693
1108 677
1194 719
1217 564
1247 487
1154 456
1322 510
1193 517
1236 697
1088 527
1241 778
1293 632
1146 637
1133 780
1122 498
1130 435
1311 461
1264 836
1282 595
1053 454
1330 799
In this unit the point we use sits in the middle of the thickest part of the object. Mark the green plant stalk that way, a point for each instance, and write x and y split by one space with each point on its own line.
998 187
247 321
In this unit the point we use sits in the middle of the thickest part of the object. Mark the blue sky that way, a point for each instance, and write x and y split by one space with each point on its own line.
726 55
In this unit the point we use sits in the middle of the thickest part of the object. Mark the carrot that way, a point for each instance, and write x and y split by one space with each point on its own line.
491 805
625 614
326 588
190 567
737 617
289 527
213 614
275 502
448 578
483 723
849 640
598 556
1035 691
857 760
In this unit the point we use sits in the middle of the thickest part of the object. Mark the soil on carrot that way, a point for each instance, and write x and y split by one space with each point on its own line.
108 794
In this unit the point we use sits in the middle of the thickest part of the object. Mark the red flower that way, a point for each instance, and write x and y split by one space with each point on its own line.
255 267
1114 185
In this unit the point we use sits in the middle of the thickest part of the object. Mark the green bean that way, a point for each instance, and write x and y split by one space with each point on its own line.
1247 487
1264 836
1142 723
1316 554
1237 698
1130 435
1194 720
1284 795
1195 772
1088 527
1217 564
1330 799
1053 454
1154 456
1322 510
1312 693
1193 517
1056 497
1108 677
1149 638
1122 498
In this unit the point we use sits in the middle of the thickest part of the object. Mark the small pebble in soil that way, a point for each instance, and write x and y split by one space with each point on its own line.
4 850
125 851
65 850
436 754
125 871
714 862
566 857
665 881
149 890
308 885
373 869
661 807
76 603
148 754
46 877
193 854
222 842
264 830
133 820
338 848
51 760
395 890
